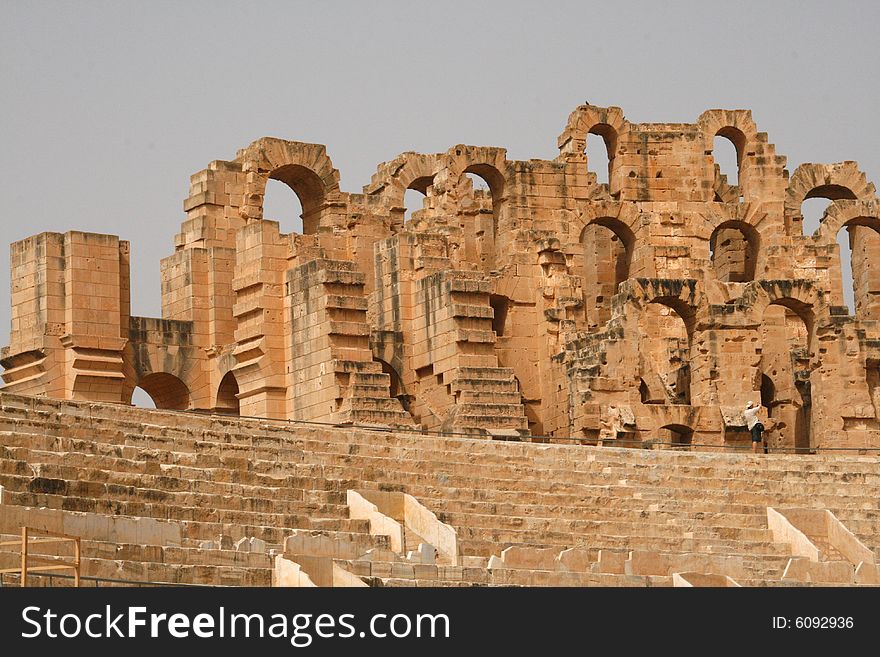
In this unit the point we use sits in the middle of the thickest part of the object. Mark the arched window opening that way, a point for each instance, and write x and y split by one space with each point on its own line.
600 150
812 210
664 352
227 395
282 205
859 247
597 158
733 249
499 308
607 249
845 240
726 158
165 390
676 436
785 368
479 185
488 194
816 202
309 190
413 201
414 196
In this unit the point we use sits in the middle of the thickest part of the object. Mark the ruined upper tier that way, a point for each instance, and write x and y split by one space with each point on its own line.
537 302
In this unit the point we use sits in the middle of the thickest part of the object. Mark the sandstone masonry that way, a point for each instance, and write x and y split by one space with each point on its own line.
546 306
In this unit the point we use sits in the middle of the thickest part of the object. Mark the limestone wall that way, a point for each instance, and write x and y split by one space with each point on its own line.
522 298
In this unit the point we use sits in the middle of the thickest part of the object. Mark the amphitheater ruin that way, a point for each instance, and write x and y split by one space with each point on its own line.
532 379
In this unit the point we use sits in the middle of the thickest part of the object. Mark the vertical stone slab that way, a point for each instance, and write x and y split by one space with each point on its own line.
261 262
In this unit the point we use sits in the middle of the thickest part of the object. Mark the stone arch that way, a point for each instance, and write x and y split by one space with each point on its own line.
166 391
305 168
738 140
623 219
836 182
607 245
749 217
488 162
227 395
407 171
734 246
799 296
607 122
485 211
677 435
844 213
740 129
782 376
684 296
666 356
861 219
736 125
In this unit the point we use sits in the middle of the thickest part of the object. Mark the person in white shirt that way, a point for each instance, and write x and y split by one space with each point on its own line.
755 425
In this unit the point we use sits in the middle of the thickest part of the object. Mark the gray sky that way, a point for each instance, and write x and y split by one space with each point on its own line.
107 108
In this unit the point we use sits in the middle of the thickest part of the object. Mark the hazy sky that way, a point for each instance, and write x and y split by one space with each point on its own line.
107 108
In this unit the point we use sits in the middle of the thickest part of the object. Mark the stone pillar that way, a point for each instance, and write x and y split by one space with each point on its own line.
261 263
332 376
70 313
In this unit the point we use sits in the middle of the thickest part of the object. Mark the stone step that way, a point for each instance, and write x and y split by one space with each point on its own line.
485 386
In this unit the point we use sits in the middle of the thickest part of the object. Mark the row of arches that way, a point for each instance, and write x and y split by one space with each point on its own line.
665 347
734 248
161 390
727 149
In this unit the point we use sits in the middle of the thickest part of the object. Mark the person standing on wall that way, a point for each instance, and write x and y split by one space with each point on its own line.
755 425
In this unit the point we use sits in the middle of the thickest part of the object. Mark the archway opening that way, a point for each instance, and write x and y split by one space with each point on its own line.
227 396
600 149
499 309
727 155
664 353
165 390
860 272
487 184
413 201
309 189
480 186
785 372
415 196
733 249
812 211
598 160
676 435
607 245
280 205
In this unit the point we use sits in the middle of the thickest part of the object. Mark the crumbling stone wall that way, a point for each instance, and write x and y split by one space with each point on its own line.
537 304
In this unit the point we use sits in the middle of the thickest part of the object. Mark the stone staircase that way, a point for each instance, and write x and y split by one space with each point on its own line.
238 479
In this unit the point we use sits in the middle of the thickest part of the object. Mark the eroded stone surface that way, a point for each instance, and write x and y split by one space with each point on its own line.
522 299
